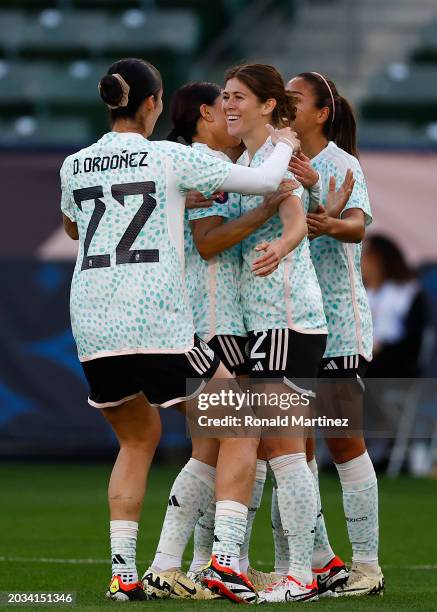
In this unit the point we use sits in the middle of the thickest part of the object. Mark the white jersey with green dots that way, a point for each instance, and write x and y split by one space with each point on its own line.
127 196
338 264
214 285
290 296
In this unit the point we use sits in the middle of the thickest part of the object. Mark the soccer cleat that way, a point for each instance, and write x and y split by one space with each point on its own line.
363 580
289 589
334 575
229 583
173 584
119 591
195 577
262 580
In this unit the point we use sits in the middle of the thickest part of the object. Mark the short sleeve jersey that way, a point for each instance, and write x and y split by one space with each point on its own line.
127 196
290 296
214 285
338 264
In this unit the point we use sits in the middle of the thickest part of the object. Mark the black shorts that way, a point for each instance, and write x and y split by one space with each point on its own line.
232 352
345 366
286 354
161 377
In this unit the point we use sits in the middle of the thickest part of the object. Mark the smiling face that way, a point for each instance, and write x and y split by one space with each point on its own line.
243 110
219 125
308 116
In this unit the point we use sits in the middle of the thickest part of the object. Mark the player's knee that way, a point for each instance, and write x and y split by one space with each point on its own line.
142 439
205 450
276 447
144 445
248 446
345 449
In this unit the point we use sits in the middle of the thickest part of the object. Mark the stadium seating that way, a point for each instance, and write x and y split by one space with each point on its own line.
404 92
426 49
404 97
62 4
61 131
380 133
50 83
53 53
72 34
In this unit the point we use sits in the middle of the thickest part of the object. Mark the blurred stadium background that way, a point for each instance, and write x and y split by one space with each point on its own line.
382 54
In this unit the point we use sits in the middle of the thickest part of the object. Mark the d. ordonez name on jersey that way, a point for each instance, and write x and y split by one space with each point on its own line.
132 159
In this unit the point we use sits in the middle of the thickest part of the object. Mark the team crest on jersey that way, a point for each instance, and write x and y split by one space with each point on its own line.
222 198
207 350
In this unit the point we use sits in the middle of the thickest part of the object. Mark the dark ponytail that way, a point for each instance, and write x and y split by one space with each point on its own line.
185 109
341 126
266 82
126 85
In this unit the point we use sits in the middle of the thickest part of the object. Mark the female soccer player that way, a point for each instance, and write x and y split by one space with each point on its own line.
121 198
283 312
326 126
213 269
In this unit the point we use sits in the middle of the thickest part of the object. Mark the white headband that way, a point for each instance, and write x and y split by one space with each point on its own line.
330 91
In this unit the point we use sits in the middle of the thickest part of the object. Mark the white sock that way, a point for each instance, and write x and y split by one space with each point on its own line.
203 539
190 495
297 501
282 554
255 502
360 503
123 550
323 552
229 531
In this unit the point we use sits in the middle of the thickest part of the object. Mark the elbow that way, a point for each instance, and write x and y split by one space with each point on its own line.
72 233
359 237
70 228
205 251
206 255
266 186
271 185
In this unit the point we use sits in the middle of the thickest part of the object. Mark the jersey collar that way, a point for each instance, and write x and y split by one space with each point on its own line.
328 147
263 152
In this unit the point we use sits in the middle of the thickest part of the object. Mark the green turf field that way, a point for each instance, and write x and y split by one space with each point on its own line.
54 537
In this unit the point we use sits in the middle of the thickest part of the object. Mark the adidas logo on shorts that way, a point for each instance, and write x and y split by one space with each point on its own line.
331 365
207 350
258 366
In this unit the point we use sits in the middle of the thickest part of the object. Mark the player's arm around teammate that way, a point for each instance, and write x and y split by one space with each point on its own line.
212 236
294 231
326 125
122 192
284 317
213 291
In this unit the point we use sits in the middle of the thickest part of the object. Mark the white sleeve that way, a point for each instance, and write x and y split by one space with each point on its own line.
262 180
315 196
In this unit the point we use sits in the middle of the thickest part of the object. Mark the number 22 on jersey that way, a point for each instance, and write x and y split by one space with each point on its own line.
123 252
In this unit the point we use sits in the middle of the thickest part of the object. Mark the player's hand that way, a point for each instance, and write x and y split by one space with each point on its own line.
274 252
318 222
284 135
300 166
272 202
194 199
337 200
